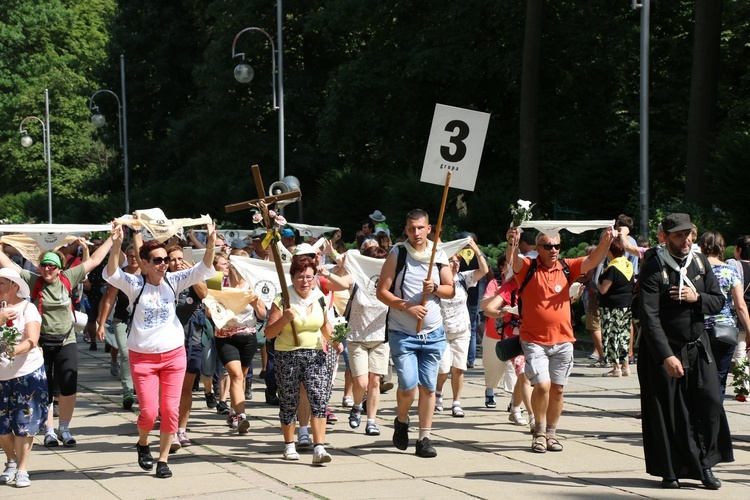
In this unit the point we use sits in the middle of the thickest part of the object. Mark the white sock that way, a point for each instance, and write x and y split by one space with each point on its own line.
424 433
515 409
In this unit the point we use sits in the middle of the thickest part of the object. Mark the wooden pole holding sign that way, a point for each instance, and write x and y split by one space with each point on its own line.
437 239
455 146
263 203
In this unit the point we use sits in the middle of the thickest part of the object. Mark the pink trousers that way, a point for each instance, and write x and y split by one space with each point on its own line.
158 376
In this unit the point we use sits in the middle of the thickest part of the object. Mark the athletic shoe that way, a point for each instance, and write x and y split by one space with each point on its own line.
243 424
347 402
320 456
22 480
290 453
183 439
425 449
210 400
516 416
248 393
331 418
385 386
400 434
222 408
175 444
355 417
127 401
9 474
438 402
233 420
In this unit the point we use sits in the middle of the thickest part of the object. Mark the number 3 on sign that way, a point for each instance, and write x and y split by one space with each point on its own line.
455 145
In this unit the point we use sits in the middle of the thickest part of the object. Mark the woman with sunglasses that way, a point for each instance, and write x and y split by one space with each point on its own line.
304 363
53 300
156 338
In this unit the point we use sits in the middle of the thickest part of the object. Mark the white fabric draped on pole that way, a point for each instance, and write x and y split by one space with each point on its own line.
261 275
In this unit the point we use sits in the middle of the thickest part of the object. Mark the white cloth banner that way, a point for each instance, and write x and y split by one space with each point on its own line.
365 272
286 255
261 275
161 228
552 227
312 231
32 245
225 304
451 248
74 229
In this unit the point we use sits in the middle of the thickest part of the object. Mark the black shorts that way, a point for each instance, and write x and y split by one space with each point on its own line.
194 354
237 348
61 365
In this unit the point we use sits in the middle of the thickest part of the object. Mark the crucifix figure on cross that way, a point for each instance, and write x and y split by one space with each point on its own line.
263 203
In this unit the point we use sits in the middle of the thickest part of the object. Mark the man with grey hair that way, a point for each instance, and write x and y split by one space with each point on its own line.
546 331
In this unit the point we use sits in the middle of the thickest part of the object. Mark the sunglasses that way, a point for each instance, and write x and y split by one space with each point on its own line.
550 246
48 266
160 260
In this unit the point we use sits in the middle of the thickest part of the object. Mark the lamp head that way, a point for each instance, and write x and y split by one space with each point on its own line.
26 140
97 118
243 72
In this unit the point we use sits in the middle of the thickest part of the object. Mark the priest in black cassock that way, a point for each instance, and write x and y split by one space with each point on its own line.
685 429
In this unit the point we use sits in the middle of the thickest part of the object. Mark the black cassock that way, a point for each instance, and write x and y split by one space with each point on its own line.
685 429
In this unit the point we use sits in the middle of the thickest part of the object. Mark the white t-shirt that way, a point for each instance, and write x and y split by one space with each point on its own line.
456 318
156 328
23 364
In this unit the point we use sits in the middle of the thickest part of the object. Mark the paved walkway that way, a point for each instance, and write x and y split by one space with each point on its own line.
481 456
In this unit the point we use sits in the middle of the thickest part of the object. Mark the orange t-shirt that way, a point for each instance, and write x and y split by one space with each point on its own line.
546 303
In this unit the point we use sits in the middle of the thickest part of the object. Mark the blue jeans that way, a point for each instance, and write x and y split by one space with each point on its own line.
723 354
417 359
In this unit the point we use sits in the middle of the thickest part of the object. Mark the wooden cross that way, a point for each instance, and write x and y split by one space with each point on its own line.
263 203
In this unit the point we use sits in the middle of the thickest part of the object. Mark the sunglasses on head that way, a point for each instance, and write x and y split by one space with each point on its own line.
550 246
159 260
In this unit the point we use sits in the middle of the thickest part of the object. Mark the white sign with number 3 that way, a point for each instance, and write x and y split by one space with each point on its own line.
455 145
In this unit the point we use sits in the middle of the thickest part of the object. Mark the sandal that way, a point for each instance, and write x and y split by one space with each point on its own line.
457 411
539 443
372 430
599 364
553 444
489 401
625 372
613 373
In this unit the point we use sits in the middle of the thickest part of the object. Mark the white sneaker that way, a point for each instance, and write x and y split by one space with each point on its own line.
347 402
290 453
594 356
320 456
22 479
516 416
9 474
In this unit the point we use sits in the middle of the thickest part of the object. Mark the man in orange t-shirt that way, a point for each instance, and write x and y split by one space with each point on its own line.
546 331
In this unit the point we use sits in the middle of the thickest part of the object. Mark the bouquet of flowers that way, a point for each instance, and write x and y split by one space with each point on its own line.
340 330
9 335
741 380
273 226
521 212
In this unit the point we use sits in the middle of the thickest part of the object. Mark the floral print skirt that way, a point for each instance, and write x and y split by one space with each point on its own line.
616 333
23 403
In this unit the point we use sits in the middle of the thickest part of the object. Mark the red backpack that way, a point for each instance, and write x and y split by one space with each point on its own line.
37 292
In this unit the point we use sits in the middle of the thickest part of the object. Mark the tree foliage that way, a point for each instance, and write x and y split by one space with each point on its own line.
361 80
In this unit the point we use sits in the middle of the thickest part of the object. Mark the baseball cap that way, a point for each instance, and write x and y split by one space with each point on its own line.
676 222
287 233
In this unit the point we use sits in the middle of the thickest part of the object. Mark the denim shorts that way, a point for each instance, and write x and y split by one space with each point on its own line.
417 359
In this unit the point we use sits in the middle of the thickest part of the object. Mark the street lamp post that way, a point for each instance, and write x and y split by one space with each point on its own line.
244 73
645 6
27 141
122 122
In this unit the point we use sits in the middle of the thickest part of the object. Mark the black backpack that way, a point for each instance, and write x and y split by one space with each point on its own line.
746 280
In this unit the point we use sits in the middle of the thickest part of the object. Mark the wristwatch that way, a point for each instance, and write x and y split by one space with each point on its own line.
435 287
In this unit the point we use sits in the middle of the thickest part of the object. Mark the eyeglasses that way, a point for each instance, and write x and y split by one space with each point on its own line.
302 277
48 266
160 260
549 246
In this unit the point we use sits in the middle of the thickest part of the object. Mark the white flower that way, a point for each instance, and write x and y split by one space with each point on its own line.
339 320
280 221
257 218
272 214
524 204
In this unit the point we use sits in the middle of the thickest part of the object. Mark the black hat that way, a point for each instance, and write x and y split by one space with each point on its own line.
676 222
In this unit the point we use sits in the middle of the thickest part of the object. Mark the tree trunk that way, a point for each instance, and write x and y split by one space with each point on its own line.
529 144
703 96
